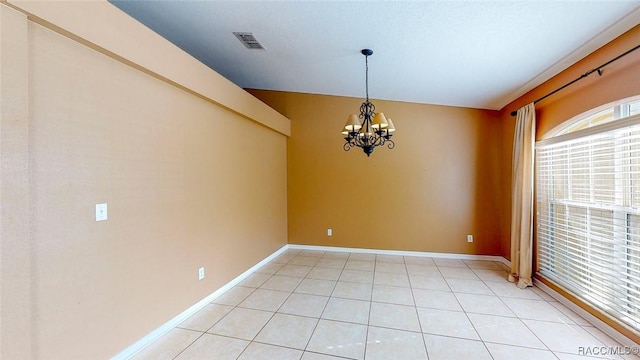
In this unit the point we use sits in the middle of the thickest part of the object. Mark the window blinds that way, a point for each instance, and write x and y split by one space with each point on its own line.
588 216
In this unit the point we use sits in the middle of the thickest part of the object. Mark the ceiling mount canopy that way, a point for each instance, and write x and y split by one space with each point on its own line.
367 129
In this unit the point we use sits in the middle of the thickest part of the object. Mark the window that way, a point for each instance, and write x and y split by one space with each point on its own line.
588 210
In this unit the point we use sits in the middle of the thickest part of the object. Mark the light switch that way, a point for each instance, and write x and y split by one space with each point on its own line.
101 212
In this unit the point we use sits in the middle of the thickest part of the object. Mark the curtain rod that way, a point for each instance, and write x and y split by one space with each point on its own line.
598 70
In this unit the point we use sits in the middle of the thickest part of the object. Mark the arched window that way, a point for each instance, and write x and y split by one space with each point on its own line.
588 209
600 115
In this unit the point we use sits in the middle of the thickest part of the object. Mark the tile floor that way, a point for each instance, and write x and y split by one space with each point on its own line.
315 305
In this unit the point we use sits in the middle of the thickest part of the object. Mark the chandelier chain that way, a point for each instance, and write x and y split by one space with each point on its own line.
366 76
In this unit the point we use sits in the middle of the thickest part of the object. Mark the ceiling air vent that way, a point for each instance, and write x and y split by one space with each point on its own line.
248 40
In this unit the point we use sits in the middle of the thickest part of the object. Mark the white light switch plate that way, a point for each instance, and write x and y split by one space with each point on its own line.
101 212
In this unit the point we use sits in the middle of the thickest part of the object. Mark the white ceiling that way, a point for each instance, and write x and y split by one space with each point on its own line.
480 54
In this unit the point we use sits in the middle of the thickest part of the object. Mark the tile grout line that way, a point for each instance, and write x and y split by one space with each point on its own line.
238 306
272 316
366 336
415 306
214 324
321 313
186 347
466 314
284 302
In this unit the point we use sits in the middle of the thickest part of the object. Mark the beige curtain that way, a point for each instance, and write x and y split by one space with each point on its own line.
522 197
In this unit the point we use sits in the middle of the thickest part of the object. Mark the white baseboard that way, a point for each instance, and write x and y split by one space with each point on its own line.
169 325
602 326
402 253
166 327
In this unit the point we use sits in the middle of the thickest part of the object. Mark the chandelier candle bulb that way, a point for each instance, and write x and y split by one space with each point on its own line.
368 129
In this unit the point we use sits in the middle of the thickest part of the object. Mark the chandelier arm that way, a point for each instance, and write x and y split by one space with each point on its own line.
380 140
353 142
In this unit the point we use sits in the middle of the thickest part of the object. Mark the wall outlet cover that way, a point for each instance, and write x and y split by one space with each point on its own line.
101 212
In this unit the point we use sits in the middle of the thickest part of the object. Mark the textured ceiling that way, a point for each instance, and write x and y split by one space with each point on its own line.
480 54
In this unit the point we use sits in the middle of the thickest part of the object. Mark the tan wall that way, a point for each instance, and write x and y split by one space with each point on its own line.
439 184
188 184
619 80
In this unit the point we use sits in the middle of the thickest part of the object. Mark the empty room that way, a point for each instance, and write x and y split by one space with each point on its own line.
319 180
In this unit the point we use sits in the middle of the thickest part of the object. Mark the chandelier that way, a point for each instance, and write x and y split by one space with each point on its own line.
368 129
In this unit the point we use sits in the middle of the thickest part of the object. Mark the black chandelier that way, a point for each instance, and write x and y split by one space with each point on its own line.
369 129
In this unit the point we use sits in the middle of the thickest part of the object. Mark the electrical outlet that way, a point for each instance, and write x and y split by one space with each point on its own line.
329 232
469 238
201 273
101 212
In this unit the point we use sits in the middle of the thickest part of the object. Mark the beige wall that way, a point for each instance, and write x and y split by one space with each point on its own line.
188 183
439 184
15 247
618 81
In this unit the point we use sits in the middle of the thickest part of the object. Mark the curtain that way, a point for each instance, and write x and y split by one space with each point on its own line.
522 197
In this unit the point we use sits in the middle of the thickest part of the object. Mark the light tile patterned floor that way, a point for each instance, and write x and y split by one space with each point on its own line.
315 305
